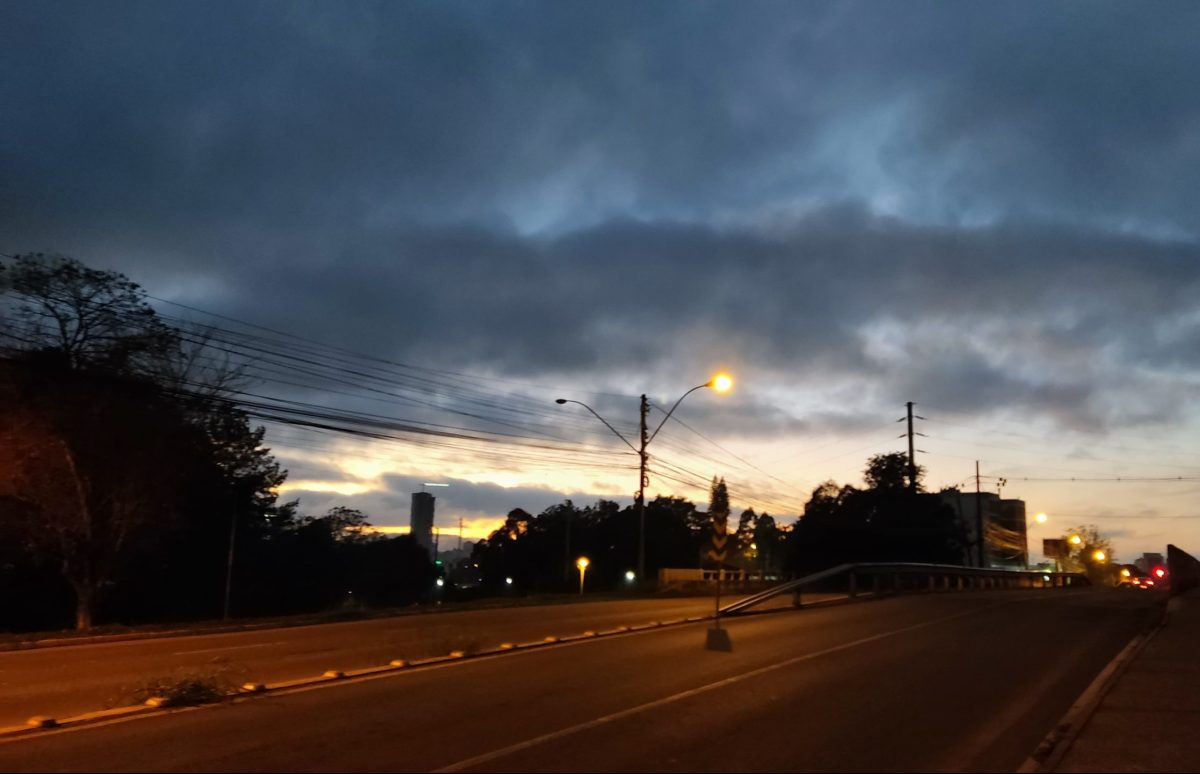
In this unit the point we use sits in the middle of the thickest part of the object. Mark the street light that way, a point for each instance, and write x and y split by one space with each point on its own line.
1076 540
582 563
1099 556
721 383
1040 518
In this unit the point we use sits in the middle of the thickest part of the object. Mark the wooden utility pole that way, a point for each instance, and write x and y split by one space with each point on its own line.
641 492
912 451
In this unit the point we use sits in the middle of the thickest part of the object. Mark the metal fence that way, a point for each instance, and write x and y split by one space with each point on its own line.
872 578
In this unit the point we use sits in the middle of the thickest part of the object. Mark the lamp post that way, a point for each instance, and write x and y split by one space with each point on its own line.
721 383
582 563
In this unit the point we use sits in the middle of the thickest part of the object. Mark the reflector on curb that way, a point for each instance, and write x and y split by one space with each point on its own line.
398 662
335 674
457 653
41 721
158 701
253 687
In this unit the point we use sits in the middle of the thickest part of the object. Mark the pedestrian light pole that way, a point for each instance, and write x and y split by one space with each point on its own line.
582 563
721 383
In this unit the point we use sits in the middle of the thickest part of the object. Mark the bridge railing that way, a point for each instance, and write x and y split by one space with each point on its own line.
878 578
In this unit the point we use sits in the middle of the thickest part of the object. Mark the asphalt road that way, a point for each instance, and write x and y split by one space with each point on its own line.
69 680
938 682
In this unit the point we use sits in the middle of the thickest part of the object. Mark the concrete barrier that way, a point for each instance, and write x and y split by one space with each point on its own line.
1183 570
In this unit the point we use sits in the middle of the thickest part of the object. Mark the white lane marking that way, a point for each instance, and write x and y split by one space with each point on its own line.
228 647
470 763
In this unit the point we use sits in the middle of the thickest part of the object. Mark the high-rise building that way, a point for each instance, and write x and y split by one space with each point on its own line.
1149 561
1006 540
421 521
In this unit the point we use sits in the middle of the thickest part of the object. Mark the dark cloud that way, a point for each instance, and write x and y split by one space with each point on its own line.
250 116
987 208
1057 321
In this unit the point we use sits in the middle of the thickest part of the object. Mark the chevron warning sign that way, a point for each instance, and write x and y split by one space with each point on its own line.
720 540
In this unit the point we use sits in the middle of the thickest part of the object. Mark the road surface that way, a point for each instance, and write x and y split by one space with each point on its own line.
939 682
68 680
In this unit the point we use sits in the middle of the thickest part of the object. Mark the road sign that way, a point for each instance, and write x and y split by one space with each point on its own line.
720 539
1055 548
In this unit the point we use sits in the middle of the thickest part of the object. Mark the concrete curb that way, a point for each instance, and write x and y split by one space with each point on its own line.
1050 752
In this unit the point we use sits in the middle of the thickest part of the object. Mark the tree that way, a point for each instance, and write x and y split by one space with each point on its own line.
102 403
345 525
768 542
94 461
88 317
885 522
889 473
1084 557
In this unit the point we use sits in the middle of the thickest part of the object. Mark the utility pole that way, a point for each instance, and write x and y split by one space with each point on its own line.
641 493
979 519
912 452
229 562
460 533
566 547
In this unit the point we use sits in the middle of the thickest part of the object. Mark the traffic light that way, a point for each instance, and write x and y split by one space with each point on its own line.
1159 572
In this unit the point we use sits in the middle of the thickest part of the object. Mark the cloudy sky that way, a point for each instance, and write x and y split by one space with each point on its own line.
987 209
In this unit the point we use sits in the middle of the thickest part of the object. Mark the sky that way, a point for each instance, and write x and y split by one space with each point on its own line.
985 208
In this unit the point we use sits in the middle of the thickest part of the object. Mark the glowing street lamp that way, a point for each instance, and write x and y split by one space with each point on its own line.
721 383
582 563
1076 540
1099 556
1040 518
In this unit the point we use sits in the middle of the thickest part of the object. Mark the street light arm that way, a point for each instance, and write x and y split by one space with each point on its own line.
617 433
672 411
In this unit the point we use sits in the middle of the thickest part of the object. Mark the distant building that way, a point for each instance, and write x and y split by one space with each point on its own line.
1007 541
421 521
1148 562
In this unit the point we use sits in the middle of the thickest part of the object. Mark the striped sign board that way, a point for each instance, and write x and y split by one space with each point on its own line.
720 540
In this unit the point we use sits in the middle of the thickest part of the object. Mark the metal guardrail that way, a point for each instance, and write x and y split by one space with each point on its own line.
890 577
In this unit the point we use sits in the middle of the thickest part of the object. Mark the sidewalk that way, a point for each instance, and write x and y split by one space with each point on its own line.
1150 719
